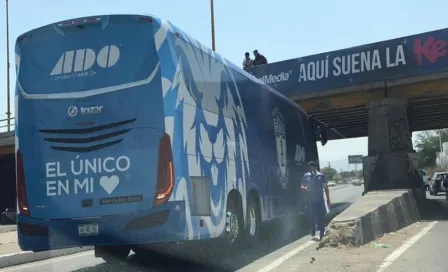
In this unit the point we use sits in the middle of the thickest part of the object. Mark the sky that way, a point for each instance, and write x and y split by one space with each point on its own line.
280 30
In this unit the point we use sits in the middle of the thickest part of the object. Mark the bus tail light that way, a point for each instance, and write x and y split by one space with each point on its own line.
21 190
165 172
80 21
145 19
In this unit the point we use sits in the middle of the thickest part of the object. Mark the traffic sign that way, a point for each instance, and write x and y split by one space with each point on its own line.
355 159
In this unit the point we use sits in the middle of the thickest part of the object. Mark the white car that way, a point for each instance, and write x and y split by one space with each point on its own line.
331 184
435 185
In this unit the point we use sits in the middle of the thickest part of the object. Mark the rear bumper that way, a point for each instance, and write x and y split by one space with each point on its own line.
436 186
443 187
159 225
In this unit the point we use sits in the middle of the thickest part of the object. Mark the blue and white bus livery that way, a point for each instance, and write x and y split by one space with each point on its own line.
131 132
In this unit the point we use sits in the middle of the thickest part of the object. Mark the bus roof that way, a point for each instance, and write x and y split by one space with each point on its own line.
175 30
169 27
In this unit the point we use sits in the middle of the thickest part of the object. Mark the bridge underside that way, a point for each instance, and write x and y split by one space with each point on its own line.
7 143
346 115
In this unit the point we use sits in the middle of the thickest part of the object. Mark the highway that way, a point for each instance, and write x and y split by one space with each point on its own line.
425 251
427 254
254 259
415 248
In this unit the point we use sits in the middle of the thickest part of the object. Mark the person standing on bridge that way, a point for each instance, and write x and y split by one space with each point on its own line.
315 184
259 59
247 62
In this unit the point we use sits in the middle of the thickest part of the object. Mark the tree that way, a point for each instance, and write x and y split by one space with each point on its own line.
337 177
428 144
329 172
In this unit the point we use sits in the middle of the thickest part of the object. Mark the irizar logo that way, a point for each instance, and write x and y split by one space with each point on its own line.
73 110
272 79
91 110
78 63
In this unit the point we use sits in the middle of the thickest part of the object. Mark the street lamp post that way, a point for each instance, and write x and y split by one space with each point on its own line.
440 148
8 107
212 17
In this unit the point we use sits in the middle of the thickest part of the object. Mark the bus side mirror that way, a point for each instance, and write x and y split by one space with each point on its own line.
320 129
323 135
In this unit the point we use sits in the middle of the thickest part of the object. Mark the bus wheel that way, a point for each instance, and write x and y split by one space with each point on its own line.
112 254
253 222
234 225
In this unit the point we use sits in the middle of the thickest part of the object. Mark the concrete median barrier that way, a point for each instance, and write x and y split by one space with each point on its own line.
28 256
369 218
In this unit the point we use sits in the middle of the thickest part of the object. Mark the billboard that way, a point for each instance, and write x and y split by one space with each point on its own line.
355 159
411 56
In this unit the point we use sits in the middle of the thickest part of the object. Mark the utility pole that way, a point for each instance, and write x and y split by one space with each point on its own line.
8 106
440 148
212 17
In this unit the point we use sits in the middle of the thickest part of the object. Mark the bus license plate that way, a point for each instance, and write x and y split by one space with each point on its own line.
88 229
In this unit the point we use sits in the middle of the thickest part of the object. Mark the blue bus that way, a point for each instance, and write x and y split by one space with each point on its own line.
139 134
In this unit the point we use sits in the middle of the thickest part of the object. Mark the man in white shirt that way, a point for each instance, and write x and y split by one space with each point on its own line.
315 184
248 62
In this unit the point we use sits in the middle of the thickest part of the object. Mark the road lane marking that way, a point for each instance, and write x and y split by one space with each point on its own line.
285 257
397 253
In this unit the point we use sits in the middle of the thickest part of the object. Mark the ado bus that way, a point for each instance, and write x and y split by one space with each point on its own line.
139 134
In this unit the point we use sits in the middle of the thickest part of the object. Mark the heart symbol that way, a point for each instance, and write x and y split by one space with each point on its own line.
109 183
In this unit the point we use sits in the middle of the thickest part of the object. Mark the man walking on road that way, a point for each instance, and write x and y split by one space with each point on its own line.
315 183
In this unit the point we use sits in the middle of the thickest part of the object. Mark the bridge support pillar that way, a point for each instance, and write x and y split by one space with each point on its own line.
388 164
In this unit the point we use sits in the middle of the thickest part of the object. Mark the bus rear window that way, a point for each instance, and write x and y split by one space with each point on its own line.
65 59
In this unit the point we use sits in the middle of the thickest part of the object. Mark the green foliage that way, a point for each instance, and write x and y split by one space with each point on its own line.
428 144
337 177
329 172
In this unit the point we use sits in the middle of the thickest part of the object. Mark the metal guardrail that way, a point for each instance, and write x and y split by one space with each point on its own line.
7 124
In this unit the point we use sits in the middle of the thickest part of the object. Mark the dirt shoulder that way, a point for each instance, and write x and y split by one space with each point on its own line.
365 258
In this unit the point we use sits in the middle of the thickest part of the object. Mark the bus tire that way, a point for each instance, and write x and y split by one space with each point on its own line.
234 229
112 254
253 222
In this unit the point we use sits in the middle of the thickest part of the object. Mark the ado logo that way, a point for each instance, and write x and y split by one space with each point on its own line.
78 63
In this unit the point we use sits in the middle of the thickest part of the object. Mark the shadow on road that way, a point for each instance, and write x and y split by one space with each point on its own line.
433 208
205 257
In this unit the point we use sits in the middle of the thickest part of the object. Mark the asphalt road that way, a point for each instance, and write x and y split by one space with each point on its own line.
428 253
270 249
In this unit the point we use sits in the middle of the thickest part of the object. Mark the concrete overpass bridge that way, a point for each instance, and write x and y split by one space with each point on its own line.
336 87
385 90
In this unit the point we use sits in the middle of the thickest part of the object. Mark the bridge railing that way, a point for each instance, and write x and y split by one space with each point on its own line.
6 126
